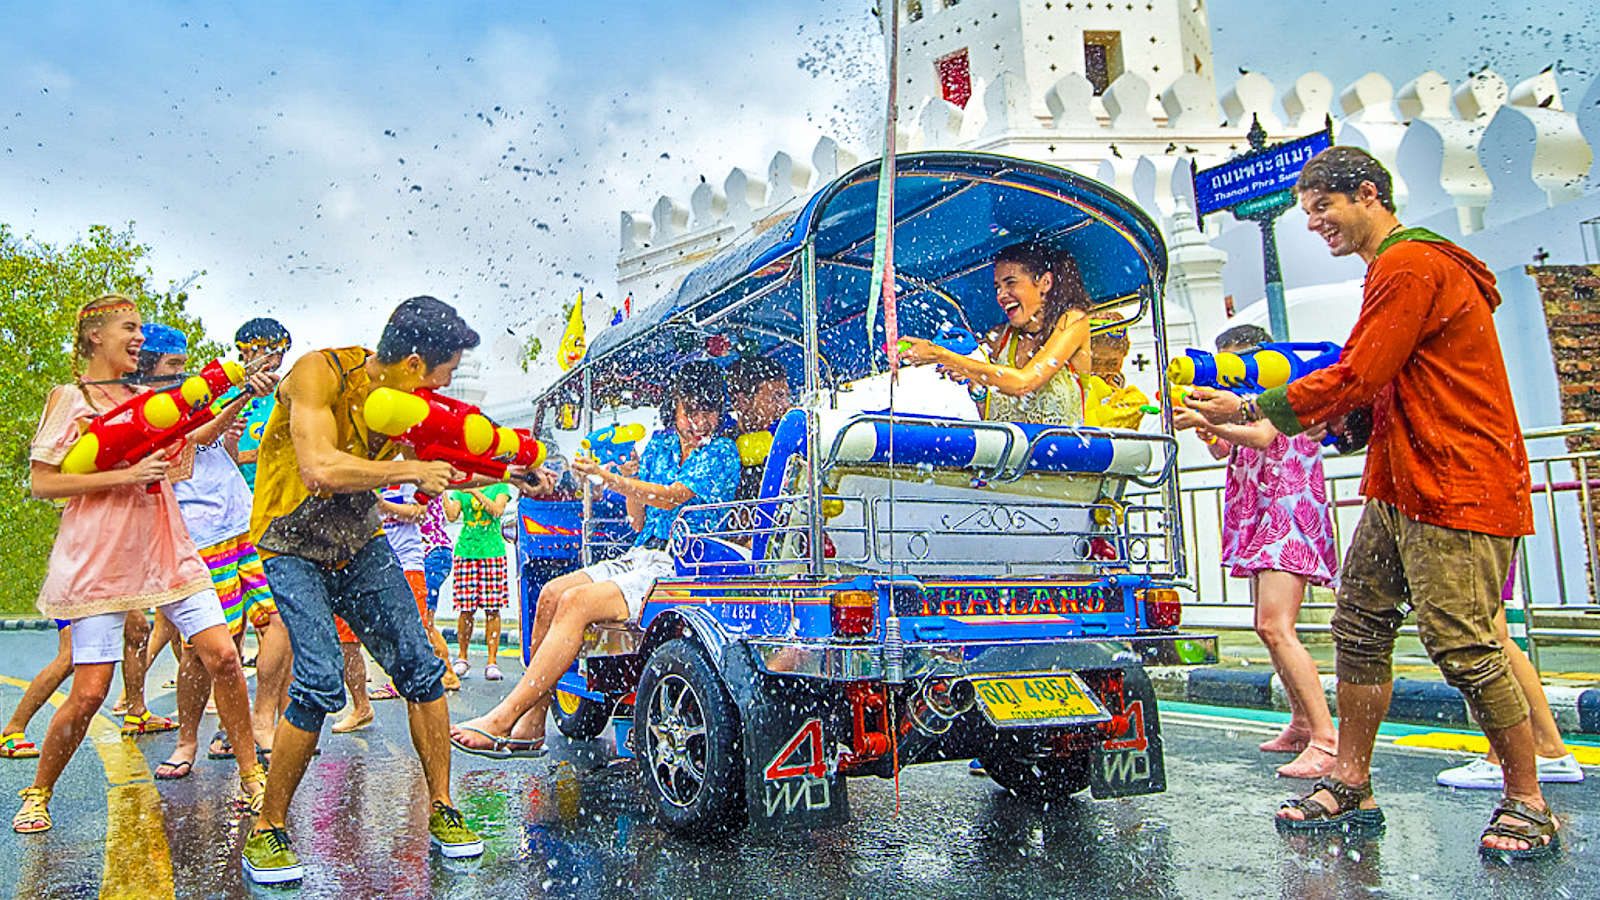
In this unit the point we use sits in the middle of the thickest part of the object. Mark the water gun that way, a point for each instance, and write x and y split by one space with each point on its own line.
613 444
957 340
1268 366
151 421
440 428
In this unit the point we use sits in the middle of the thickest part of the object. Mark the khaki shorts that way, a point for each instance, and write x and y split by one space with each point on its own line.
1453 581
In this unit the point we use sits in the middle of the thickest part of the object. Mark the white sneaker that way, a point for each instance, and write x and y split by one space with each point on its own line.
461 667
1484 775
492 672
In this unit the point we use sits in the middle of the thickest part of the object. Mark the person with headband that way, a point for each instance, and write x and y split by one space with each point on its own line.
262 343
120 547
215 503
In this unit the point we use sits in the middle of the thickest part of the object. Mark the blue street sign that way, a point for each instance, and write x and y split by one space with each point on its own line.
1256 174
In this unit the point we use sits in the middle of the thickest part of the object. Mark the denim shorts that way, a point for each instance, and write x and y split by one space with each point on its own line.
372 596
436 565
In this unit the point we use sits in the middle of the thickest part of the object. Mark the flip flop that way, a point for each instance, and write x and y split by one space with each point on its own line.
180 769
503 747
227 749
149 723
387 692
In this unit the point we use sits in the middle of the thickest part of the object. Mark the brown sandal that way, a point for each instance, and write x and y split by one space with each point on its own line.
1347 815
1535 825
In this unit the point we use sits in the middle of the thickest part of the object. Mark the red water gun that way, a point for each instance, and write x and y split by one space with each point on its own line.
151 421
441 428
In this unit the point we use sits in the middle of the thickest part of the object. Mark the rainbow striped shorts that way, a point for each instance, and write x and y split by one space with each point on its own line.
241 583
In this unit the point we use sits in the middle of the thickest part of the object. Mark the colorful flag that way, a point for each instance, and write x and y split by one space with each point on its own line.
570 353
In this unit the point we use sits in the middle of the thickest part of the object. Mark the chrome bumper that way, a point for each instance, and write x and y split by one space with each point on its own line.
865 662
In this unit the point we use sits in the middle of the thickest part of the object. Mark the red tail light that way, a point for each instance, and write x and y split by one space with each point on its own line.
854 613
1162 608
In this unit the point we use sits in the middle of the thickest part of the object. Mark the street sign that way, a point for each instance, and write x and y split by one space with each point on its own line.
1268 204
1255 174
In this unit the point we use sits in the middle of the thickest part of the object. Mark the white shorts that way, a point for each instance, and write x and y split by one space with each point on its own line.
98 639
635 573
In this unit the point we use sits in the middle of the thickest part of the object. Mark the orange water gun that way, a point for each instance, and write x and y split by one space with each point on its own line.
151 421
441 428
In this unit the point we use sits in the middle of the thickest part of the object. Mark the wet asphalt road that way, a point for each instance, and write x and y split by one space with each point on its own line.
573 827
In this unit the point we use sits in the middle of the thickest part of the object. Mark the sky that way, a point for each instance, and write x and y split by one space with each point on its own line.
320 162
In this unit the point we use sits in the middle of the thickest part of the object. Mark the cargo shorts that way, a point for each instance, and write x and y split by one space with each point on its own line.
1452 579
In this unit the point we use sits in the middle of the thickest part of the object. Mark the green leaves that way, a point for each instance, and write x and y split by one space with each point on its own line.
41 288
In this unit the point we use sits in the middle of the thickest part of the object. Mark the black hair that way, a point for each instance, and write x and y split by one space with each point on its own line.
1341 170
750 372
699 387
1244 336
428 327
262 332
1066 288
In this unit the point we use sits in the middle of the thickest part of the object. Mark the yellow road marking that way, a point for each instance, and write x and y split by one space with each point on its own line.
1477 743
138 862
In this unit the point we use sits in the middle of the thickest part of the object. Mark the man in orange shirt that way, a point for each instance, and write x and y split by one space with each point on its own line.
1447 489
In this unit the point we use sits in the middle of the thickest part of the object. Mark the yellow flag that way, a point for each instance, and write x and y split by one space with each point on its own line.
572 344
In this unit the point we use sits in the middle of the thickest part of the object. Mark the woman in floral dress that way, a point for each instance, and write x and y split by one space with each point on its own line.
1277 531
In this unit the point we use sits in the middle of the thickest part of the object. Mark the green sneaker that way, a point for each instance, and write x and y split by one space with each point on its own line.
449 832
268 859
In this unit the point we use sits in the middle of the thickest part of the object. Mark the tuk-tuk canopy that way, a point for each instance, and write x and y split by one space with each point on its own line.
953 213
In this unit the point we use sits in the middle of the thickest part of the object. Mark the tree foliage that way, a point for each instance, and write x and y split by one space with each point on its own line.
41 288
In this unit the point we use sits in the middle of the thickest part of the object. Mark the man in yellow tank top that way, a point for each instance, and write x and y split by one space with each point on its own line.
314 521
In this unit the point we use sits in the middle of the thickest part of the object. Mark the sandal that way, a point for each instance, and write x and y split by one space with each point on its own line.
227 749
34 816
1346 816
500 747
17 746
178 768
1534 825
387 692
149 723
247 802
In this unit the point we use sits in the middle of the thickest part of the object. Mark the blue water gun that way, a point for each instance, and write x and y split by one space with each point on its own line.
612 444
1270 365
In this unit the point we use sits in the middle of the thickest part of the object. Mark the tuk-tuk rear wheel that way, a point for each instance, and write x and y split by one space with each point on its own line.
1041 781
686 735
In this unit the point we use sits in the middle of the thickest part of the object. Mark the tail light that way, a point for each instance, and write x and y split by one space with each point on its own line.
1162 608
854 613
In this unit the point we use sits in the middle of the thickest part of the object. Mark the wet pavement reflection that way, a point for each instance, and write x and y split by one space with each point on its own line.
573 826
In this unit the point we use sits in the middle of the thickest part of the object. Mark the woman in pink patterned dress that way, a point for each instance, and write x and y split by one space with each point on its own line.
1277 531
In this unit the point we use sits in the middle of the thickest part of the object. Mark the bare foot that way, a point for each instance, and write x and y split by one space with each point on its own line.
1313 762
1292 740
353 722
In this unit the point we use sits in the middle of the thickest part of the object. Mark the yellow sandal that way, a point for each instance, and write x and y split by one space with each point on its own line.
34 816
248 802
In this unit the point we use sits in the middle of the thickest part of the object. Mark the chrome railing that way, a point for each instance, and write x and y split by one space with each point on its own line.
1556 567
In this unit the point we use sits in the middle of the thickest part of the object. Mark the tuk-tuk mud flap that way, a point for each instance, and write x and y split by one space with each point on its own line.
791 751
1131 763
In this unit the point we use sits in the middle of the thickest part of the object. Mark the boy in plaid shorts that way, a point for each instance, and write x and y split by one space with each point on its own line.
479 570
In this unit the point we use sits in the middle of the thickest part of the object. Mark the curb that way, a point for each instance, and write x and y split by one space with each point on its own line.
1430 704
30 623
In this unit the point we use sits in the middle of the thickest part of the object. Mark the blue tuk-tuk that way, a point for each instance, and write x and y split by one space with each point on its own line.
907 588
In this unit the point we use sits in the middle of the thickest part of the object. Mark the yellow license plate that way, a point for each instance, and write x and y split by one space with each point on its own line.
1018 701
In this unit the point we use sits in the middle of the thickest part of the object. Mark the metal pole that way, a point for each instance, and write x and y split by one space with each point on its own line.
586 420
808 312
1277 313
